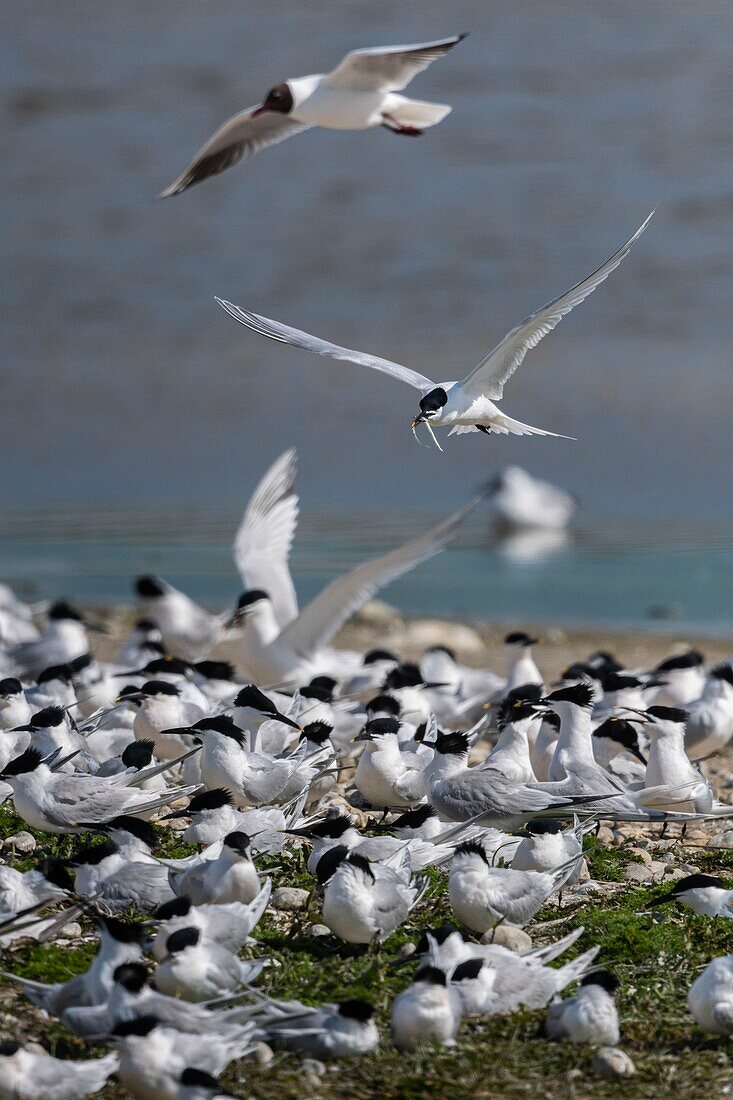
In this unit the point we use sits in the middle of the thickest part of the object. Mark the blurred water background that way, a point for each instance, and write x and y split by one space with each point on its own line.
136 417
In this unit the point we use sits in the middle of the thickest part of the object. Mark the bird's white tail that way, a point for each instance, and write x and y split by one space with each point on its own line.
508 426
415 112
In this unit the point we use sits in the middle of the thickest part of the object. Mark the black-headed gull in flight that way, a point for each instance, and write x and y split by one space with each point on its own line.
361 92
467 405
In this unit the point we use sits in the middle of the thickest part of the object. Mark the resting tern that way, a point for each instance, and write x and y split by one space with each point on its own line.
213 815
684 677
27 1075
231 876
228 924
363 901
547 845
710 717
517 721
710 997
467 405
196 1084
428 1011
590 1016
65 638
197 969
386 776
343 1030
14 707
524 502
704 894
360 93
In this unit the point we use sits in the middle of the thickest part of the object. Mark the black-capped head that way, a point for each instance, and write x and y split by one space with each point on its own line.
61 610
375 655
692 659
317 692
48 718
331 828
183 938
149 587
158 687
403 676
251 696
579 670
724 672
540 826
93 854
138 754
222 724
176 907
209 800
451 744
604 978
140 1026
518 704
327 682
81 663
467 971
8 1048
431 975
167 665
414 819
131 976
361 863
552 719
280 99
620 681
238 842
250 598
439 934
146 626
129 692
121 930
383 704
28 761
697 882
381 727
330 862
62 673
215 670
432 403
623 732
355 1009
602 661
56 872
317 732
199 1079
135 826
472 848
579 694
668 714
520 640
10 686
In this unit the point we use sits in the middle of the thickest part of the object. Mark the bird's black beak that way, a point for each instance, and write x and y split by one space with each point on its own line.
661 900
287 721
174 814
306 834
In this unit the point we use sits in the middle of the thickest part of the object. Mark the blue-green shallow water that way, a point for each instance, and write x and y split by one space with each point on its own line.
657 577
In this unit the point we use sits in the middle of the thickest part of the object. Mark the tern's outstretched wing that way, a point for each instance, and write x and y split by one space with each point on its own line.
387 68
495 369
297 339
265 536
241 136
322 618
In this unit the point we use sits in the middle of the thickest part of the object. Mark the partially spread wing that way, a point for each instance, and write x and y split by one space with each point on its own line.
241 136
265 536
387 68
297 339
495 369
322 618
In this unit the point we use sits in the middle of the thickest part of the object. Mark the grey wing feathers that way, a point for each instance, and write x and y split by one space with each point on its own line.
323 617
284 334
495 369
388 68
241 136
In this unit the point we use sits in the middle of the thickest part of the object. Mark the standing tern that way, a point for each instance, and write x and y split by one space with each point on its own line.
360 93
467 405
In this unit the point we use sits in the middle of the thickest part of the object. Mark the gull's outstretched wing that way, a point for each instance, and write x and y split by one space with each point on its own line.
495 369
387 68
297 339
265 536
241 136
323 617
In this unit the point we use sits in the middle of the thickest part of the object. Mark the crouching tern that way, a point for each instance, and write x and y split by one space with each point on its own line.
359 94
342 1030
363 901
428 1011
467 405
710 997
588 1017
27 1075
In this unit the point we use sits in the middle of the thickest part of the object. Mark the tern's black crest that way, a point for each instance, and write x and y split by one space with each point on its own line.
472 848
183 938
159 687
374 655
209 800
62 610
381 727
251 696
467 970
433 401
215 670
356 1010
580 694
331 828
519 704
279 99
361 863
238 842
318 732
63 673
579 671
692 659
122 931
318 692
604 978
431 975
223 725
138 754
620 681
8 1048
10 686
198 1078
170 666
326 682
131 976
697 882
149 587
136 827
519 638
384 704
78 665
92 854
141 1025
668 714
413 819
48 718
452 744
440 935
404 676
26 762
56 872
330 862
176 907
539 826
251 597
722 672
619 730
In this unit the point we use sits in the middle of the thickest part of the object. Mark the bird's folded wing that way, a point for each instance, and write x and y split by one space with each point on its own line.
493 372
239 137
387 68
284 334
325 615
723 1017
265 536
